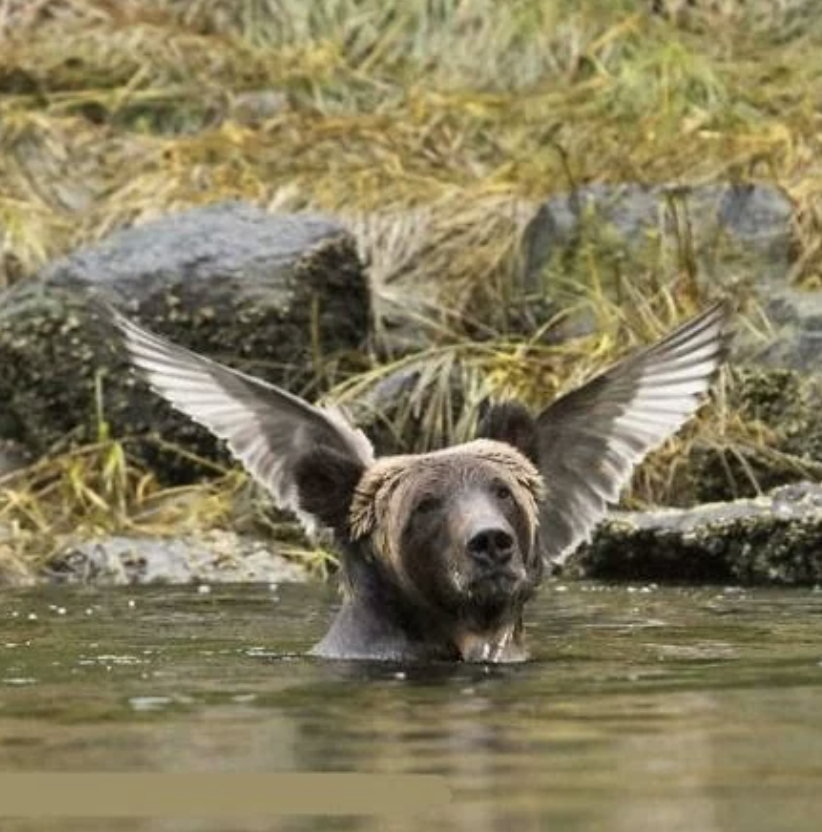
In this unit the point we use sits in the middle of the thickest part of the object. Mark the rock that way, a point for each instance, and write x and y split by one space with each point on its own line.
282 297
213 557
774 438
795 339
787 403
774 539
744 221
722 232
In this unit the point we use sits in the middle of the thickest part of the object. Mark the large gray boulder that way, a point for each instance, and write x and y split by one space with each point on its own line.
745 226
283 297
724 233
773 539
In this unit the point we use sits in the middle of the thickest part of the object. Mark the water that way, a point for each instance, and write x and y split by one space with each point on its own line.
643 709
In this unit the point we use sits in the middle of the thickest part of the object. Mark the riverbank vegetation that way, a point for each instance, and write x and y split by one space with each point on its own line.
433 128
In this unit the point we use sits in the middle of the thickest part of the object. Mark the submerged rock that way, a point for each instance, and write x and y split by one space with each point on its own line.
773 539
282 297
213 557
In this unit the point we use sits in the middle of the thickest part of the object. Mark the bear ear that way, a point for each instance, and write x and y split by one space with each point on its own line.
512 423
326 480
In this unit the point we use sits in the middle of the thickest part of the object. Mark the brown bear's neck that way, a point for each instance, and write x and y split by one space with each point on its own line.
359 632
378 621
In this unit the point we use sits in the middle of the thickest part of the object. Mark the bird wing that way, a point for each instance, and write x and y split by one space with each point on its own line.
591 439
266 428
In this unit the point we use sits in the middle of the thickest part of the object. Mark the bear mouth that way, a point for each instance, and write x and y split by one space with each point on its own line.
494 592
496 579
499 580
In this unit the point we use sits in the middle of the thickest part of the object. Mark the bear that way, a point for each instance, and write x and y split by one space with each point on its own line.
441 551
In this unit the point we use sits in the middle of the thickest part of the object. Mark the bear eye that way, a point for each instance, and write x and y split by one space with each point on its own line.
428 504
502 492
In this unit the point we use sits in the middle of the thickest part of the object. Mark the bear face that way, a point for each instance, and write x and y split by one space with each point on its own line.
464 542
455 534
440 551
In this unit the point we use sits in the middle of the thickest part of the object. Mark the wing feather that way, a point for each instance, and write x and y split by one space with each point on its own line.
265 427
591 439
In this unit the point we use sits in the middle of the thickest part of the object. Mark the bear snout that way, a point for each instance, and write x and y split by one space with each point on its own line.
491 546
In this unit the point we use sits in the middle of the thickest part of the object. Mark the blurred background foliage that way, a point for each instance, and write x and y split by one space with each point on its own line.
113 112
433 129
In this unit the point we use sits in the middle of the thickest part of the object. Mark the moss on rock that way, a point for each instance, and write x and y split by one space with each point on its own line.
774 539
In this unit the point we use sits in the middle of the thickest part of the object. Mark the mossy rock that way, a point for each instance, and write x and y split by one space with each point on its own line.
774 539
777 439
713 229
281 297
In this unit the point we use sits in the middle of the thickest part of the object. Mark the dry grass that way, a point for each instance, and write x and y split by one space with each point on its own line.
432 127
100 489
116 112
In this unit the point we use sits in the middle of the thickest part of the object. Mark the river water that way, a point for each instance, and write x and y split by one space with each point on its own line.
644 708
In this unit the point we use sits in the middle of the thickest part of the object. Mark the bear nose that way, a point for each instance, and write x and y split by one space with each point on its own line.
491 547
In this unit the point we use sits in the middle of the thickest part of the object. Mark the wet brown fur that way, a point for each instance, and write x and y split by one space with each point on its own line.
382 497
406 599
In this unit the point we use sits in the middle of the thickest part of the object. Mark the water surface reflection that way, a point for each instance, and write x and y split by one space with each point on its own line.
644 709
